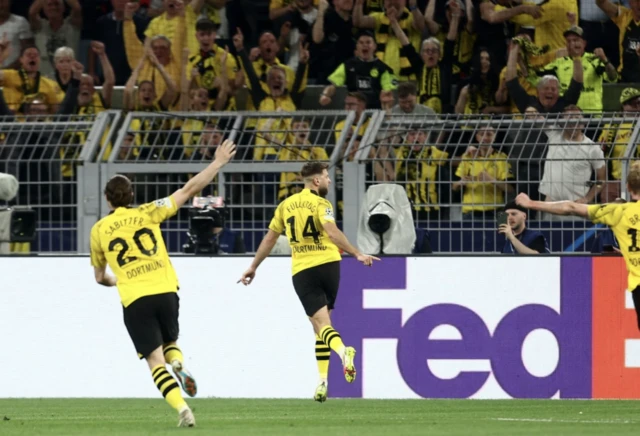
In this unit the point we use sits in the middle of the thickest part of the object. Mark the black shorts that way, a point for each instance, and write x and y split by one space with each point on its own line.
152 321
318 286
636 303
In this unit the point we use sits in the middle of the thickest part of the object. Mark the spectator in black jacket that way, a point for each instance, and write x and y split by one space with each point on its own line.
548 99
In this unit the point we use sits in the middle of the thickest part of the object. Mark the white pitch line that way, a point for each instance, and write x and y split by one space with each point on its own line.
566 421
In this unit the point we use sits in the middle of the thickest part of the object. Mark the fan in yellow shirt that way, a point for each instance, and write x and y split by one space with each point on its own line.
483 175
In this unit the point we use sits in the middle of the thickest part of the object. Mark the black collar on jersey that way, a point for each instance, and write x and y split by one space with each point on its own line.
313 191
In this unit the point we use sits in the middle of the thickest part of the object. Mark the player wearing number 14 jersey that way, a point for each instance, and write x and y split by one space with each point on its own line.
315 240
129 241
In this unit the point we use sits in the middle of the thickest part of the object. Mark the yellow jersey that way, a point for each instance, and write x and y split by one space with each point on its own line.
624 220
483 196
616 137
302 216
130 242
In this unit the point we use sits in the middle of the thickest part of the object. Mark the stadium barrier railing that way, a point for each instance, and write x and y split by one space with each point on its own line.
496 159
160 151
46 154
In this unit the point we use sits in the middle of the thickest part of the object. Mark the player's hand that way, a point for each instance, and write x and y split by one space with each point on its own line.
523 200
225 151
247 277
366 260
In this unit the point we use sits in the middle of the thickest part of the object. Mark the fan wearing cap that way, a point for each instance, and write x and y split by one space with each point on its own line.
596 66
615 139
363 73
519 238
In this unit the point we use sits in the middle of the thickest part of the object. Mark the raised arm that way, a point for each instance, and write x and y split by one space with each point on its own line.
128 102
489 14
429 14
360 19
297 91
257 93
418 19
222 83
70 102
318 27
170 94
608 8
395 26
185 82
34 15
107 69
75 14
133 47
224 153
554 207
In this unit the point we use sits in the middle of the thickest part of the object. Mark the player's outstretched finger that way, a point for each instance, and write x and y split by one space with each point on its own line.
375 258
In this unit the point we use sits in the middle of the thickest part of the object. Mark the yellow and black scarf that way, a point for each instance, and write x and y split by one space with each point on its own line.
382 38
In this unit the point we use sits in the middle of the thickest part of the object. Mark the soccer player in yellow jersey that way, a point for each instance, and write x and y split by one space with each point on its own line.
622 218
315 240
129 241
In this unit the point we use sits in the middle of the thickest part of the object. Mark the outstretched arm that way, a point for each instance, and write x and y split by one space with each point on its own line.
554 207
224 153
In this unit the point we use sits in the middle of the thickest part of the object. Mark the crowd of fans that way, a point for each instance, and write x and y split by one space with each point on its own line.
408 57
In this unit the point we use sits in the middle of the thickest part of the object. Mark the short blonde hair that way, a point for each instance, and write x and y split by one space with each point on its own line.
633 178
64 52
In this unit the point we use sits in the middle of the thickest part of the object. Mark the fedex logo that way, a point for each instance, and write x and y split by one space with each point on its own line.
491 309
616 339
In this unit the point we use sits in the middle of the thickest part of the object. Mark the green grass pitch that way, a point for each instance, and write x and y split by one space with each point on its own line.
335 417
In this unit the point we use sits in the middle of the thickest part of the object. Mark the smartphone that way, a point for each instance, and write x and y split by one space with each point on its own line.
202 202
502 218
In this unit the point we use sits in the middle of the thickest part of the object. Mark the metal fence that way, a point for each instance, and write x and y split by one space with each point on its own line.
44 154
159 152
457 171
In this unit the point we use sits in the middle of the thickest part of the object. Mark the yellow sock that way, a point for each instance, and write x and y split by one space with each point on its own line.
171 353
168 387
332 339
323 353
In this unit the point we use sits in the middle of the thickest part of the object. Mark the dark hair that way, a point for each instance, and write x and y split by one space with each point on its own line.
405 89
367 33
358 96
119 191
27 47
206 25
479 84
313 169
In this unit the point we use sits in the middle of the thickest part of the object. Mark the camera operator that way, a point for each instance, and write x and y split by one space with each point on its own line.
520 239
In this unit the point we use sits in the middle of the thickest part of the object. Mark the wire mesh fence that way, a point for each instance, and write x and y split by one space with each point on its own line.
43 153
459 172
161 151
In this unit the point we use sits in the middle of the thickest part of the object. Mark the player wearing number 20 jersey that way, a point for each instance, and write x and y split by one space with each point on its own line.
129 241
307 220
